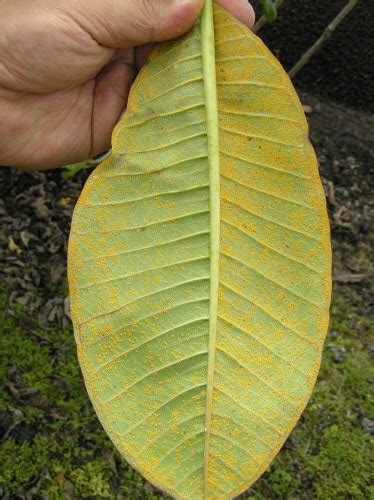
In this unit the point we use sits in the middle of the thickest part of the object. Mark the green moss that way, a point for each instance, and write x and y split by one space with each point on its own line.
341 467
21 462
58 443
92 479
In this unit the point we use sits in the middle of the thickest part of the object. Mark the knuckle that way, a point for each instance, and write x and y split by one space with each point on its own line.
153 12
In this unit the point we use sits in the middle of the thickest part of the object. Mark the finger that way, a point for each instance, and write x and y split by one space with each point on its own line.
110 100
48 130
241 9
116 24
136 56
142 53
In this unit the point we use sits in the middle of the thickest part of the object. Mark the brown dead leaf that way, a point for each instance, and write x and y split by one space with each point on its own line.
345 277
13 247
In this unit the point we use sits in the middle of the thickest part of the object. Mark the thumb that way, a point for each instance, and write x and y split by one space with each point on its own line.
125 23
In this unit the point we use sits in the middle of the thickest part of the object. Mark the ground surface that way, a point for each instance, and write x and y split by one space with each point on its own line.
51 444
343 70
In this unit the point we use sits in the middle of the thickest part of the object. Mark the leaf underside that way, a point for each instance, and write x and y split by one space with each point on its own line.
202 416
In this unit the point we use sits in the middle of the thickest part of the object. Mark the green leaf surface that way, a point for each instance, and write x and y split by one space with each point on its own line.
199 265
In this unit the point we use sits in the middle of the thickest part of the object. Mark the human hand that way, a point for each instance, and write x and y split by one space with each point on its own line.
66 69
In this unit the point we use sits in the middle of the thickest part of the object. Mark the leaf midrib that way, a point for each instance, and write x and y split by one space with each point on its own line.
210 87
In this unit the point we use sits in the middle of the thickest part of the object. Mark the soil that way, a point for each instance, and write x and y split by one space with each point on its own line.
36 209
343 70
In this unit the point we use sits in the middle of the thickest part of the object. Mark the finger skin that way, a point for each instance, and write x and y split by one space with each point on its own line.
63 90
120 24
240 9
135 22
110 99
